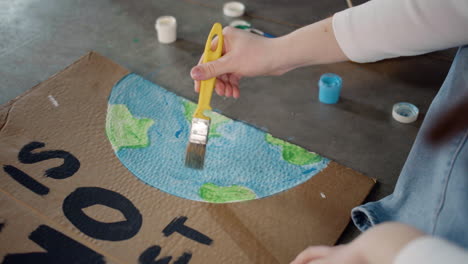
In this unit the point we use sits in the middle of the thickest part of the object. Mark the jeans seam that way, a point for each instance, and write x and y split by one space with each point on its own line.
447 180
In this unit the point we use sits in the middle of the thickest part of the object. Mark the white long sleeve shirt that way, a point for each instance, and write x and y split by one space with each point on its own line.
381 29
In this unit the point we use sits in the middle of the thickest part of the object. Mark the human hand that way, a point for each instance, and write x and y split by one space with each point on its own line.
343 254
244 54
378 245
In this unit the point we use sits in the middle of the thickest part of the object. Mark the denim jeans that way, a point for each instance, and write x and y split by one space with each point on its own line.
432 190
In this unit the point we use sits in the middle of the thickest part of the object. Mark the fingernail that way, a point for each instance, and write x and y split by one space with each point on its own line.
197 73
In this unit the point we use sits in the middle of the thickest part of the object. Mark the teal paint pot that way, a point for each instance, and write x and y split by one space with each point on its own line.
329 88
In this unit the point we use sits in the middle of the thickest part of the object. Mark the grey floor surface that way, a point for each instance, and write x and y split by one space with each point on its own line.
39 38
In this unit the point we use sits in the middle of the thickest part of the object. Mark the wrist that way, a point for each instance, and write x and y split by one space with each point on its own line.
280 53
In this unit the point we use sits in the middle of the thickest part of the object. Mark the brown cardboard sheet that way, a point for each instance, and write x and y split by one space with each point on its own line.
65 195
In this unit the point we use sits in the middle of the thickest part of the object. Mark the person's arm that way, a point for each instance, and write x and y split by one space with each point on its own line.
381 29
431 250
376 30
388 243
309 45
246 54
378 245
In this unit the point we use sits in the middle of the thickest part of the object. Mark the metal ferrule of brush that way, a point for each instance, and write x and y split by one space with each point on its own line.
199 131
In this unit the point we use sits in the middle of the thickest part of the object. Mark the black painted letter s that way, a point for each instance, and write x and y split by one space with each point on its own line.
70 163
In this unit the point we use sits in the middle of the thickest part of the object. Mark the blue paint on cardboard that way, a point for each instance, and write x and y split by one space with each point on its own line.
238 156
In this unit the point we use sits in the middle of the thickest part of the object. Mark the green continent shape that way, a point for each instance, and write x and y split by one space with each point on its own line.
210 192
216 119
293 153
189 109
126 131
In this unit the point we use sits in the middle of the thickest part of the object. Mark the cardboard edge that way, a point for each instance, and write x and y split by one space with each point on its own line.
373 182
254 248
4 113
366 179
6 108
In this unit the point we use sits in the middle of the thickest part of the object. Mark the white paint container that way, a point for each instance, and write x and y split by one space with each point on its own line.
166 27
233 9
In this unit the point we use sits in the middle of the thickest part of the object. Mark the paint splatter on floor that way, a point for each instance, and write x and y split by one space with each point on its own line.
148 128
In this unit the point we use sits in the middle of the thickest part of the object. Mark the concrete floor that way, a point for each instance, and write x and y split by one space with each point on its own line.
39 38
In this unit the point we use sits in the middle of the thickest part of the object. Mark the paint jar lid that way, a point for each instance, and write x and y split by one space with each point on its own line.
240 23
165 22
234 9
405 112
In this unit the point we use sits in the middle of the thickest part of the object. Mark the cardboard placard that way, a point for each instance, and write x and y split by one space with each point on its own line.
65 196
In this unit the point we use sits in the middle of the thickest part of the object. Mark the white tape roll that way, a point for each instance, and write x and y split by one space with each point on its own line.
234 9
166 26
405 112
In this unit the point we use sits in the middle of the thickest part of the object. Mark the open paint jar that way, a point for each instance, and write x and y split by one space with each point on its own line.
166 26
329 88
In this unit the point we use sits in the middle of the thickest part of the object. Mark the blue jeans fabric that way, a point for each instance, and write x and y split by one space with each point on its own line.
432 190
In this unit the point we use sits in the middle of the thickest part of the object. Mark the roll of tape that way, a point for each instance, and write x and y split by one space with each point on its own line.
233 9
405 112
166 26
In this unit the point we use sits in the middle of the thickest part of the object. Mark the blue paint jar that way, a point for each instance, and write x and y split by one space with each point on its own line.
329 88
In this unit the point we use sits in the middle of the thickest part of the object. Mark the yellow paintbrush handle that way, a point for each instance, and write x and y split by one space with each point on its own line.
207 86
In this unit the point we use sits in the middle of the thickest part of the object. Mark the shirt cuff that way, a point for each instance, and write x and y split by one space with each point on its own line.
358 35
343 35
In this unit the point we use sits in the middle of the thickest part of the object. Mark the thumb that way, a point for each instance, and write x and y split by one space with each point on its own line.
211 69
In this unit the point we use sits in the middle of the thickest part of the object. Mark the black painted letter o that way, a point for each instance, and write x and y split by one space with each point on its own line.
87 196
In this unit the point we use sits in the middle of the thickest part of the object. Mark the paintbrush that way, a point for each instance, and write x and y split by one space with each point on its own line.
196 148
244 25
